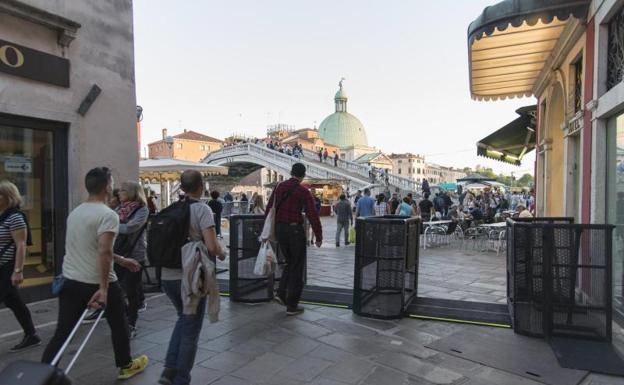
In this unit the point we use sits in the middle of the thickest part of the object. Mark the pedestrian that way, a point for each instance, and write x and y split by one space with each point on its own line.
425 186
317 207
344 219
320 154
89 277
325 155
335 159
394 202
290 200
369 167
151 202
13 241
365 205
356 198
258 205
405 208
425 208
133 214
381 207
182 348
228 197
217 209
114 202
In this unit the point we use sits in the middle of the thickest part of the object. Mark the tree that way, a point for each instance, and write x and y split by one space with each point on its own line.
525 180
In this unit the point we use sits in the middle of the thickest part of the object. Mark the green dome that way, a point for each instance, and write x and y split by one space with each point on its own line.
343 130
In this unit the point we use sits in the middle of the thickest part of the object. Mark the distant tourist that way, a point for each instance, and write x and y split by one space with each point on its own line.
258 205
344 219
335 159
405 208
217 209
381 207
13 240
114 202
228 197
90 279
151 202
523 212
425 186
357 197
371 175
365 205
325 155
290 200
320 155
394 202
425 208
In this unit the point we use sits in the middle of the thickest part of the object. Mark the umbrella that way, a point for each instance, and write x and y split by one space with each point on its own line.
476 178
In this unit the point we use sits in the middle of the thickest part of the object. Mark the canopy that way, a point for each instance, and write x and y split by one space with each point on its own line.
511 142
510 42
476 178
448 186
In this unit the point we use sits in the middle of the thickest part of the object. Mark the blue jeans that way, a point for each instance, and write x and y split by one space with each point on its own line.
183 344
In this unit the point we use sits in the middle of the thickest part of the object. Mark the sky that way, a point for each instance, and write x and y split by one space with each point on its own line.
224 67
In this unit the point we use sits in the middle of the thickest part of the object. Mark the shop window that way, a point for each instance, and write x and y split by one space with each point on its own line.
615 58
615 204
27 160
578 85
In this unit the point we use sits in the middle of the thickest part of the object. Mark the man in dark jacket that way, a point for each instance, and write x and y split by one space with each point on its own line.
217 209
344 219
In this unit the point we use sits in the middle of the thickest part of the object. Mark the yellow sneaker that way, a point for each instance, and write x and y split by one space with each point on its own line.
136 366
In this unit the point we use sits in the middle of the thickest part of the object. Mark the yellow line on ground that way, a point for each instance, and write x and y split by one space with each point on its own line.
325 304
496 325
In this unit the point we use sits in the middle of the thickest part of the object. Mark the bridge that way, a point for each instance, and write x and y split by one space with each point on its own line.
246 158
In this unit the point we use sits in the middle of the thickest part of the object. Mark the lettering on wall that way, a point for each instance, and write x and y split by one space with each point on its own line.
28 63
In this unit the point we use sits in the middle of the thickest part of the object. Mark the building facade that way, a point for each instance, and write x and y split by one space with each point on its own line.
189 145
577 80
67 102
409 165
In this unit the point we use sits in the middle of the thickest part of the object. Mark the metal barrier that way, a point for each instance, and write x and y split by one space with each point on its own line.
386 265
559 278
234 208
245 286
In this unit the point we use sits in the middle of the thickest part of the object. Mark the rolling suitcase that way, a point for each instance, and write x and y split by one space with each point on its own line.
37 373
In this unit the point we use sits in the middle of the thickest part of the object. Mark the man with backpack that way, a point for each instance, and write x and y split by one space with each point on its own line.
290 198
171 229
89 278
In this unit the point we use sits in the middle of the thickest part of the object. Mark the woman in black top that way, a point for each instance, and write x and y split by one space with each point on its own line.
13 236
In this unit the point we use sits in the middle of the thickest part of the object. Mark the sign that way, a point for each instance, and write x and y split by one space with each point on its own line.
17 164
28 63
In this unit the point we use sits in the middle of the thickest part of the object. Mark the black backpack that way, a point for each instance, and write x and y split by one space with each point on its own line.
168 232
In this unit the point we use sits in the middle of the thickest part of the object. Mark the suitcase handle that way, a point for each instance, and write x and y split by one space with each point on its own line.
59 355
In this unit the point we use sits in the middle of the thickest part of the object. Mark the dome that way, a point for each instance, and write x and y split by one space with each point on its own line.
341 128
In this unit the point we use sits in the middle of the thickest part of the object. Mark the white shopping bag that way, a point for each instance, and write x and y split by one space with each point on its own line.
268 230
266 260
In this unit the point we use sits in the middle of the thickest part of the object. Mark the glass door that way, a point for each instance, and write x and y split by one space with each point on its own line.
27 160
615 204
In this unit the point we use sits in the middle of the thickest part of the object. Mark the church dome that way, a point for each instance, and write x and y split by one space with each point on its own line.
341 128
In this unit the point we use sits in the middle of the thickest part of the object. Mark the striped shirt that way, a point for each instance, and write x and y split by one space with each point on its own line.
12 223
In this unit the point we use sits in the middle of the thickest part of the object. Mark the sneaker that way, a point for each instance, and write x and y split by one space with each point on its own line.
143 307
167 376
135 367
279 300
298 310
133 331
89 319
27 342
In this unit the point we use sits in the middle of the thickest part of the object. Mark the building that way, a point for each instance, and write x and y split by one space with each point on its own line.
189 145
408 165
376 159
309 139
67 102
569 58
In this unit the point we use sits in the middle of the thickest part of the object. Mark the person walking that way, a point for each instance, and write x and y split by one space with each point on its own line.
320 154
344 219
425 186
89 277
394 203
381 207
365 205
151 202
405 208
325 155
425 208
182 348
217 209
258 205
290 200
133 214
13 240
335 159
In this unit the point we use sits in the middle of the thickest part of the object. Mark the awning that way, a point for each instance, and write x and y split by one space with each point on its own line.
511 142
511 41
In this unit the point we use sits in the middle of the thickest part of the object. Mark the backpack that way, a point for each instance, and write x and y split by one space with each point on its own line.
168 232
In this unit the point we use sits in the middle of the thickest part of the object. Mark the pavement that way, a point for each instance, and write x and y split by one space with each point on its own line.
259 344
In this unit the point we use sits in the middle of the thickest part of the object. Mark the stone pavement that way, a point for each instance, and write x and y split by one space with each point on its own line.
259 344
446 272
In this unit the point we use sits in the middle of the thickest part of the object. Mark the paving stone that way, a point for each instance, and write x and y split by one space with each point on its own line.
263 368
229 380
350 371
305 369
346 327
295 347
419 368
226 361
382 375
495 376
329 353
355 345
305 328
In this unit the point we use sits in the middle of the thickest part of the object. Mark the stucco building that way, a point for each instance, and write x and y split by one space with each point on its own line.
188 145
67 103
408 165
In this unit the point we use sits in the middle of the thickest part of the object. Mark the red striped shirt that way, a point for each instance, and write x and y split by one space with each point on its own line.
299 200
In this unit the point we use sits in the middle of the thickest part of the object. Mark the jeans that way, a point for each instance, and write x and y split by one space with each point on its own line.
11 298
342 226
73 301
133 287
292 244
185 336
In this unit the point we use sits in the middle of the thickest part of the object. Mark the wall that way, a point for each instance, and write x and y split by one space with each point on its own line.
102 54
191 149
